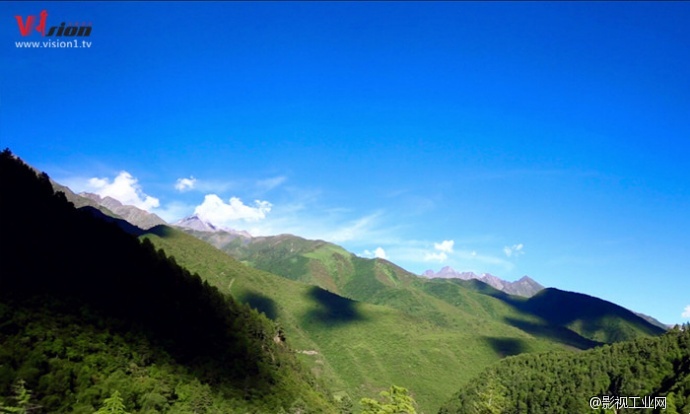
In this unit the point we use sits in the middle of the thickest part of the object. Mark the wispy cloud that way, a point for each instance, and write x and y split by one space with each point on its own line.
353 230
124 188
686 312
436 257
270 183
415 255
514 250
521 174
213 186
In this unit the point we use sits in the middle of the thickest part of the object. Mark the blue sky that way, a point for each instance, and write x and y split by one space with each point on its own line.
547 139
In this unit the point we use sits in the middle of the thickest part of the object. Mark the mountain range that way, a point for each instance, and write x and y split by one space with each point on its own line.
223 237
361 324
140 218
525 286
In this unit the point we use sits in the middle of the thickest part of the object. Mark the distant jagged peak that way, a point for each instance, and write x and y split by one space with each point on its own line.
526 279
525 286
196 223
450 273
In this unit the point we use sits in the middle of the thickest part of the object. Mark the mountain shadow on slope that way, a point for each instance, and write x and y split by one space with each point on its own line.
596 320
123 224
591 317
76 264
261 303
332 309
506 346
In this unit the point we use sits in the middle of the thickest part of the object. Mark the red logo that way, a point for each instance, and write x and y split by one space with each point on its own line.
73 30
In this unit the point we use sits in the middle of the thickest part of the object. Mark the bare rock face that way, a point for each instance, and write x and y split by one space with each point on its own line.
140 218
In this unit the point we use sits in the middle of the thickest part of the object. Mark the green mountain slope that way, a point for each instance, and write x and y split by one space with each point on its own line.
87 309
578 320
393 323
564 383
358 348
591 317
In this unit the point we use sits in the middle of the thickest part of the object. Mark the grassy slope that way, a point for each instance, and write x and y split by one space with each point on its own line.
444 329
552 313
418 341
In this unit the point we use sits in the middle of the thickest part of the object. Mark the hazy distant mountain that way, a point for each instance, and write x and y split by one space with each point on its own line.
140 218
196 223
525 286
653 321
77 200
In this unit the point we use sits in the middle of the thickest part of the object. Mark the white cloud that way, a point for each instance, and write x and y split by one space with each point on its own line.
185 184
434 257
445 246
686 312
125 189
442 251
218 212
378 253
514 250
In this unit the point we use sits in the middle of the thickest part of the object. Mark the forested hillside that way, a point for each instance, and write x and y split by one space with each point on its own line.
88 312
648 368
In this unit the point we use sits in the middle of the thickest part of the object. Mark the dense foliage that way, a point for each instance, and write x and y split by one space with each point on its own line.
87 310
565 382
395 400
